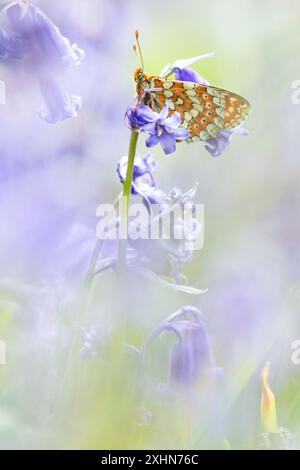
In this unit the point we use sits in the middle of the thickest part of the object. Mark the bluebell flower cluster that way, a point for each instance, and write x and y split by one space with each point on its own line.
161 127
37 40
160 259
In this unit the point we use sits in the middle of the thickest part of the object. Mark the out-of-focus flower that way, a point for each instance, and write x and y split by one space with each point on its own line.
59 103
143 167
183 72
143 182
191 356
5 44
159 258
217 145
38 32
268 403
47 54
10 46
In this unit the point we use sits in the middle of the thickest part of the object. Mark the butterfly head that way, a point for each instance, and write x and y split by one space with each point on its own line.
138 74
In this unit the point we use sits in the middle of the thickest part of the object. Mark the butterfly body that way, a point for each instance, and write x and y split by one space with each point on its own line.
204 110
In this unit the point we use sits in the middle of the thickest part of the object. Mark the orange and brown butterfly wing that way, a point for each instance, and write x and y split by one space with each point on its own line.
204 110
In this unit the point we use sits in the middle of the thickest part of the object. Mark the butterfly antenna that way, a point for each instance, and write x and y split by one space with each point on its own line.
138 50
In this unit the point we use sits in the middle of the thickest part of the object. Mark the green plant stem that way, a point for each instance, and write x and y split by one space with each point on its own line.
125 200
93 262
71 381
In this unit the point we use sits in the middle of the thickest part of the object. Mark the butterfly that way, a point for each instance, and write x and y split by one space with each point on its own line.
205 110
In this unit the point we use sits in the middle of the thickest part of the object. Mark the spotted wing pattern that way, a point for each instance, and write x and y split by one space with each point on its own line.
204 110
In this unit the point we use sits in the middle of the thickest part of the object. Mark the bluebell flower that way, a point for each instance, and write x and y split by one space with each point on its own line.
164 129
191 357
40 33
60 104
143 182
216 145
162 258
138 116
182 71
48 53
10 46
4 44
189 75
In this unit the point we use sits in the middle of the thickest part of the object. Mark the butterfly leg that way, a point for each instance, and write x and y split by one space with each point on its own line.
153 99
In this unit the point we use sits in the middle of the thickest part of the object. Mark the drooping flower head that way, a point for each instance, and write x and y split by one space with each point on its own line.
138 116
10 46
143 182
217 145
42 37
191 356
46 52
60 104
